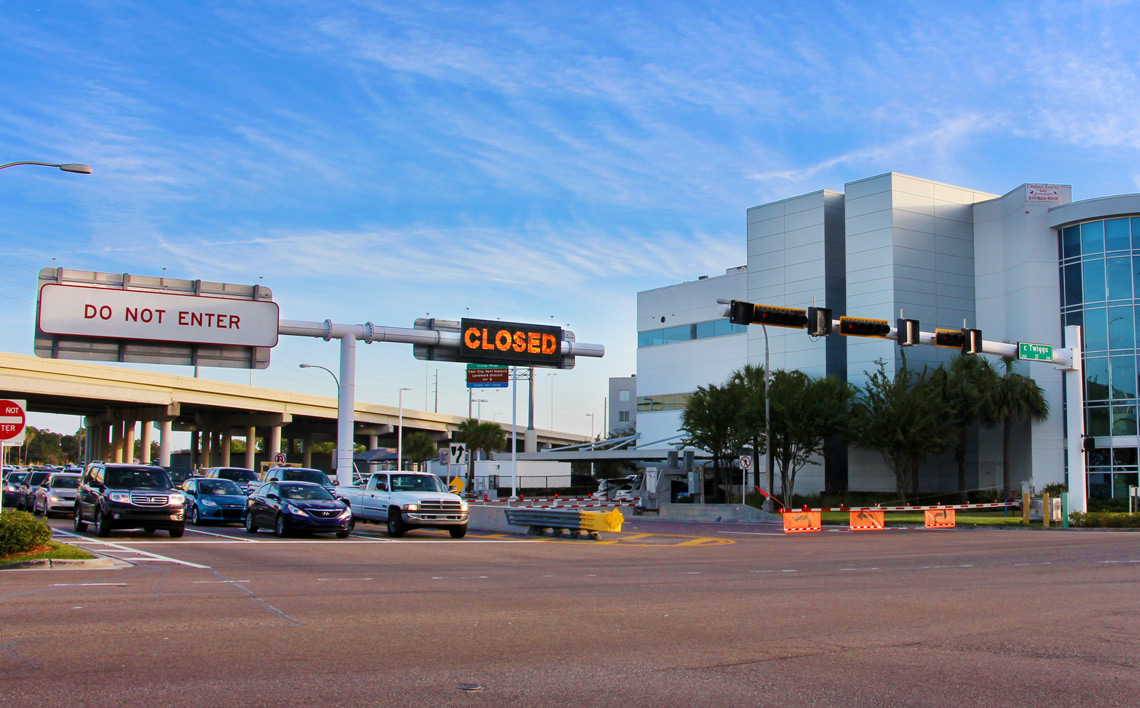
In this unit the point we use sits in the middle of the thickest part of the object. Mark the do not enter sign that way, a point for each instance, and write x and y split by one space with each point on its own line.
12 422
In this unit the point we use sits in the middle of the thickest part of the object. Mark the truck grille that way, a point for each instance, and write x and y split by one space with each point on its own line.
149 499
439 506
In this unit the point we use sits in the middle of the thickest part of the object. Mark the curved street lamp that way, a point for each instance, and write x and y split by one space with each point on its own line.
66 167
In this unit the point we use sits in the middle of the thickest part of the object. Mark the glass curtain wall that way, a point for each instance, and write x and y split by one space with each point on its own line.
1100 288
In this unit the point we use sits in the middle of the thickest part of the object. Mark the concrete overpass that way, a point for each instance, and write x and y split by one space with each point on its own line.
113 401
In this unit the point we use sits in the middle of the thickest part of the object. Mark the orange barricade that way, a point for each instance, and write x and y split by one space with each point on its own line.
941 518
802 521
865 520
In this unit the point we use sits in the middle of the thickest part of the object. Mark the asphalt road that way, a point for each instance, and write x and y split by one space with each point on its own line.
662 615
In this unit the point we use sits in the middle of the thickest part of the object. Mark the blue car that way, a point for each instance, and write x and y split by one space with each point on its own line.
217 500
297 506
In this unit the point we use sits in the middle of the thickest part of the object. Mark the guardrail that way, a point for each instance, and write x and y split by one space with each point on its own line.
574 523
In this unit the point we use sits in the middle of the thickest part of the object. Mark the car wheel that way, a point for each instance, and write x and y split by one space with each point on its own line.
177 531
249 525
192 514
458 532
396 526
102 523
348 529
35 510
279 525
78 524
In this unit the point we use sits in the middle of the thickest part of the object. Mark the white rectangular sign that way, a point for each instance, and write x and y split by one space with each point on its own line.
72 310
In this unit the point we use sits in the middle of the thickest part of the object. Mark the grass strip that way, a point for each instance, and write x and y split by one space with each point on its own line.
54 550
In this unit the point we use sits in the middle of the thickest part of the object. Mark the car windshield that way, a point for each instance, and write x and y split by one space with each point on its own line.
138 478
65 482
304 491
16 477
416 483
218 486
37 477
314 476
238 474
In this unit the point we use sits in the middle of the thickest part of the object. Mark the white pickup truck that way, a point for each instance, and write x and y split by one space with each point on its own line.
405 501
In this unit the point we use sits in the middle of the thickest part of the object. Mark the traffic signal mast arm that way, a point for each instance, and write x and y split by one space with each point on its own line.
820 320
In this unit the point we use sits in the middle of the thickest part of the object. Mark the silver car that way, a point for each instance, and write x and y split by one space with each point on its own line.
56 495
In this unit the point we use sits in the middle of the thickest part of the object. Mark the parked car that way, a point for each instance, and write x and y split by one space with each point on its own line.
120 496
26 489
212 499
56 495
299 474
244 477
11 485
300 506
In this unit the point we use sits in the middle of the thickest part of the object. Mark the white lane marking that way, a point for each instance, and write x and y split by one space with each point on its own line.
88 585
147 555
221 535
1135 561
327 579
212 582
1016 565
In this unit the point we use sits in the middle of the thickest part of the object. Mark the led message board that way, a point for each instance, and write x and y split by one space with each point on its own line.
495 342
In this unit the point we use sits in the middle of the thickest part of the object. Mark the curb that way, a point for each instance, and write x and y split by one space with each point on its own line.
66 564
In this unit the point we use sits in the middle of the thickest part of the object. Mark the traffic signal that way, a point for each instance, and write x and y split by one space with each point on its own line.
740 312
973 343
968 341
951 338
860 327
746 313
907 332
780 316
819 321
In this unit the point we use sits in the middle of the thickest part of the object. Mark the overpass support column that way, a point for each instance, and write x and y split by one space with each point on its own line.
117 441
373 442
195 458
164 443
307 450
250 447
128 441
144 442
208 448
274 441
88 441
227 438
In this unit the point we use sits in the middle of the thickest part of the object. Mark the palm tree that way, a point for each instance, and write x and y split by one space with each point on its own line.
488 437
965 386
1013 398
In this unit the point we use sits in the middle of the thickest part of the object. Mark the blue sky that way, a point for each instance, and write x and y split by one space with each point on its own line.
533 162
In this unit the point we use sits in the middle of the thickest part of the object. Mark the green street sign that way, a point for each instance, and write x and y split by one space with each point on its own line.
1034 352
486 366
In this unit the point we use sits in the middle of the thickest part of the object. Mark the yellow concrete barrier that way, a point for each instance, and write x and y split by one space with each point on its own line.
602 521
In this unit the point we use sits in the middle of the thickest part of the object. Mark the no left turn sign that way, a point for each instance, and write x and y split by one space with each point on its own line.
12 422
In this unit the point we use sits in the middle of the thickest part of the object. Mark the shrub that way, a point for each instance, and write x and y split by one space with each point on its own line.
1055 489
20 532
1105 519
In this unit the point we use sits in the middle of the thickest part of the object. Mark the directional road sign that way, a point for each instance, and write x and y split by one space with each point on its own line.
1035 352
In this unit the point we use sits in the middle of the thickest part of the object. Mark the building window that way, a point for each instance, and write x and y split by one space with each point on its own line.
667 402
689 332
623 395
623 416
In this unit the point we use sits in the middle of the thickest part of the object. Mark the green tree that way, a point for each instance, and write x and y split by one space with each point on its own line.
965 386
1014 399
711 422
903 417
804 413
750 381
419 446
479 436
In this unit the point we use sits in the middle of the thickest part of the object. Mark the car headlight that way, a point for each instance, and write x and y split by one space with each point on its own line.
121 497
463 506
411 507
53 498
208 502
177 498
295 510
346 513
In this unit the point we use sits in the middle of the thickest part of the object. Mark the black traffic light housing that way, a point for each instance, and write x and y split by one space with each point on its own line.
740 312
968 341
861 327
819 321
746 313
906 332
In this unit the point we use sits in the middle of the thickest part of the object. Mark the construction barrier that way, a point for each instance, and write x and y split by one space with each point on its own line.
864 520
940 518
802 521
559 520
871 518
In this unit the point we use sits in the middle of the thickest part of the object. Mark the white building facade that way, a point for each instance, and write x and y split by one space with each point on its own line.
1017 266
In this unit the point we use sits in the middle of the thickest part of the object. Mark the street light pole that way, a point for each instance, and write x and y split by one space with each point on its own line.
67 167
591 443
400 433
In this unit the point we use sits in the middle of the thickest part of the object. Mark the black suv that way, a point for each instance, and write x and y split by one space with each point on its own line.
116 496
